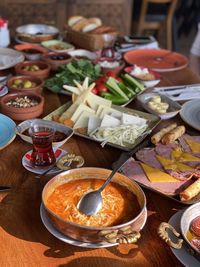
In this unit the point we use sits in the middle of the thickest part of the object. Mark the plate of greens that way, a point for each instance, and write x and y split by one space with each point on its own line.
76 70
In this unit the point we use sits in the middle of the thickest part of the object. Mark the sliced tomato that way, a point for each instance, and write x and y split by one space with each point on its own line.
196 242
95 91
110 74
101 88
195 226
118 79
101 79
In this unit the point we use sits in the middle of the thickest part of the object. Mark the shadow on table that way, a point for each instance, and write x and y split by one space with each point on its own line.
20 217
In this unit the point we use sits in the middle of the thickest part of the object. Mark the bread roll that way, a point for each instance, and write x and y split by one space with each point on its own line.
102 29
96 21
159 135
173 135
89 27
74 19
80 24
191 191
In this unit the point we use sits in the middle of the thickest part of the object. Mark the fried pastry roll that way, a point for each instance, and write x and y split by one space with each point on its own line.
159 135
191 191
174 134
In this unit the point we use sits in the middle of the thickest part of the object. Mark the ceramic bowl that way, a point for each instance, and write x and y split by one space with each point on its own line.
55 59
58 46
115 70
42 72
150 81
95 234
31 51
171 112
34 89
36 33
22 131
22 113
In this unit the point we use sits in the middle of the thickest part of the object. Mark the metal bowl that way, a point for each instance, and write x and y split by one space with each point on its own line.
185 222
123 233
36 33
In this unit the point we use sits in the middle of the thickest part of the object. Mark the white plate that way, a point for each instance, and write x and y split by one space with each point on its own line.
47 223
27 165
182 254
190 113
9 58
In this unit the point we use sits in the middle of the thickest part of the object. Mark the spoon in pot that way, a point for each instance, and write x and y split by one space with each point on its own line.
92 202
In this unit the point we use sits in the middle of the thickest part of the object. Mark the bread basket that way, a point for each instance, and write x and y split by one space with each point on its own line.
90 41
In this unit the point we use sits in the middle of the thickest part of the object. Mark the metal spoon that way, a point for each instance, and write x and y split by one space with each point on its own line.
92 202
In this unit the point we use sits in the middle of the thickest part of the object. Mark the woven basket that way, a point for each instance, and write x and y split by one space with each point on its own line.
90 42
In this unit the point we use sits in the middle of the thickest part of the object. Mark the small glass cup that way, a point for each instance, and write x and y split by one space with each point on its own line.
42 137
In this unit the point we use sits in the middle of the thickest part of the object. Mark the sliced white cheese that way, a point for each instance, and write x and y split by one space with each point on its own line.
93 123
81 99
109 121
99 110
131 119
95 101
115 113
82 121
79 110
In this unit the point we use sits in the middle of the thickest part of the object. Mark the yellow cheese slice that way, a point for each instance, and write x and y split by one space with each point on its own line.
174 165
179 155
156 176
195 146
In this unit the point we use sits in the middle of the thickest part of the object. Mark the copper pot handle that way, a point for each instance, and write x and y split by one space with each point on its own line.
162 232
124 235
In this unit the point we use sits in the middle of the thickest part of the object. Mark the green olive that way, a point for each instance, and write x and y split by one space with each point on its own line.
35 67
18 82
27 84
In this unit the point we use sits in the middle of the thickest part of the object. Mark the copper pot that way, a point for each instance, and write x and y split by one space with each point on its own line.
123 233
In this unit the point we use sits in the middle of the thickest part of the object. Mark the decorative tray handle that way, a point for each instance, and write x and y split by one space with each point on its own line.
162 232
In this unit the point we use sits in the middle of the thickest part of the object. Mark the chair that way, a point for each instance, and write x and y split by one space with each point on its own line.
158 22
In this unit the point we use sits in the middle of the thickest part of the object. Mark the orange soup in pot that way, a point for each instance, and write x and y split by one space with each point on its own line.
119 204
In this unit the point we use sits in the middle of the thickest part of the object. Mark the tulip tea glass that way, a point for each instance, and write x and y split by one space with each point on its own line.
42 138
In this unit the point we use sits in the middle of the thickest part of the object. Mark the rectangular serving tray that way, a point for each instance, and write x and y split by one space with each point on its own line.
153 121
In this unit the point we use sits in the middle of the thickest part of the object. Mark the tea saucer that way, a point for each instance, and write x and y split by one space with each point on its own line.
47 223
182 254
27 165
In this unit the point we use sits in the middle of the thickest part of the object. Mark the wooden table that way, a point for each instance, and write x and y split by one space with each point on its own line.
24 241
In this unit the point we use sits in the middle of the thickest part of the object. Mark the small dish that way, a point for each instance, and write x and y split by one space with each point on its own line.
83 54
22 113
9 58
172 110
31 51
150 79
39 69
35 85
60 128
55 59
110 64
57 46
36 33
27 165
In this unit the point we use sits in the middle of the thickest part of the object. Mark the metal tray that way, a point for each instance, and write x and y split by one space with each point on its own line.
153 121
